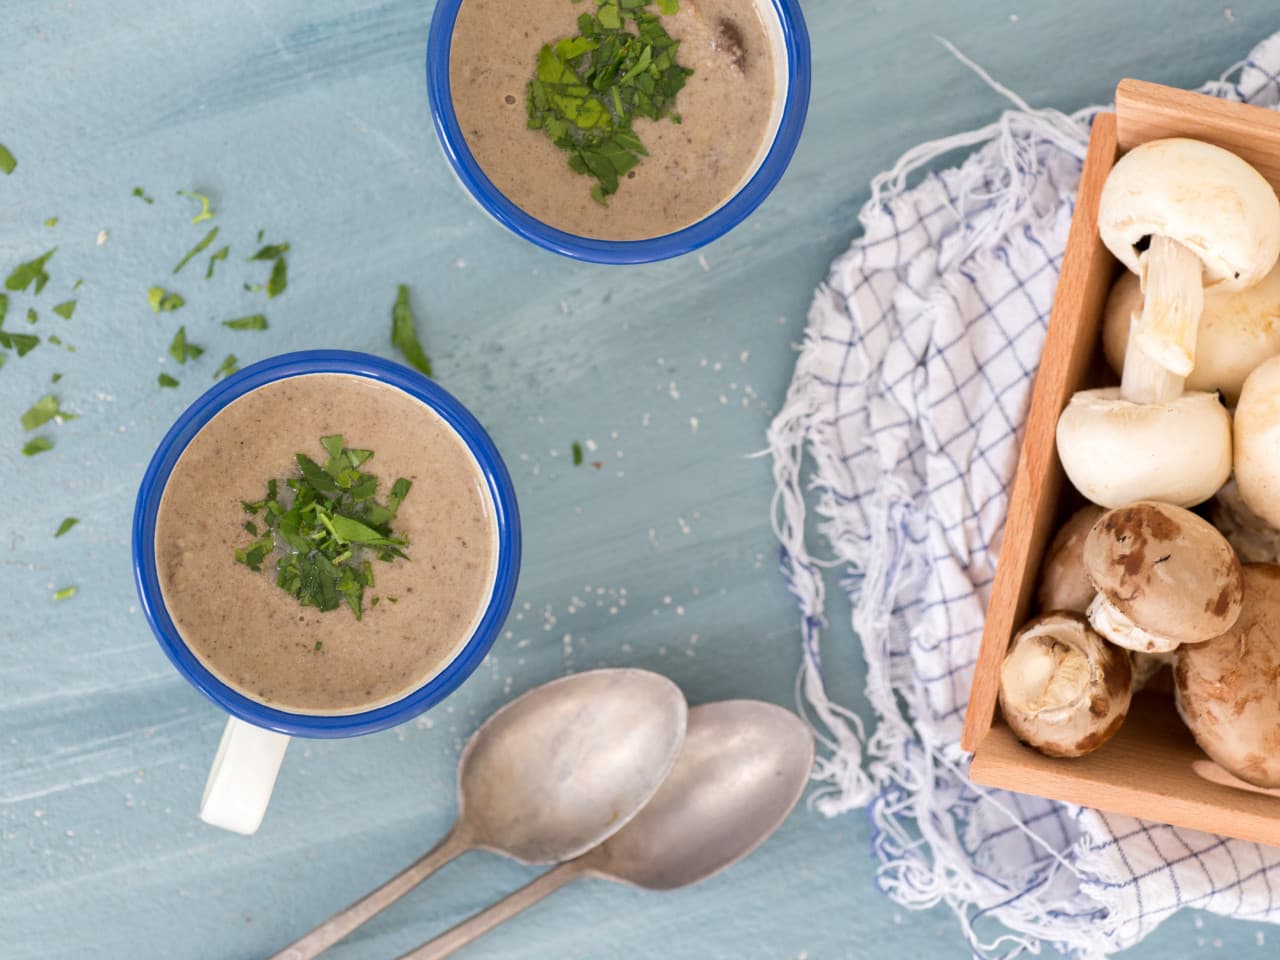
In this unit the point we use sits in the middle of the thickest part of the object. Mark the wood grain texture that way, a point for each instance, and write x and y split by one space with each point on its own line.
1069 348
1146 770
309 118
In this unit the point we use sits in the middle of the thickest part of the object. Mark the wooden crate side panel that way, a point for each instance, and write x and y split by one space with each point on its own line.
1070 344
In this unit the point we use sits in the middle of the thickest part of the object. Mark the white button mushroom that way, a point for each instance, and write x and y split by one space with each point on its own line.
1164 577
1238 331
1226 689
1063 583
1063 689
1186 215
1257 437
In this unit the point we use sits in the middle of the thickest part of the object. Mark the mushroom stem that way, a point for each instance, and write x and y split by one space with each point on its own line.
1112 623
1173 290
1143 380
1046 677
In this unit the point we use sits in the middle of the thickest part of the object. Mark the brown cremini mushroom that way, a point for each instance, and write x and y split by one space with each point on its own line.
1064 585
1164 577
1063 689
1228 689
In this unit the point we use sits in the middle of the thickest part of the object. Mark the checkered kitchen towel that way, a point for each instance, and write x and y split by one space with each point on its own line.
904 419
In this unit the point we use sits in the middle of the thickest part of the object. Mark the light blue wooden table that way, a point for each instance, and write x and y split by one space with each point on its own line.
309 119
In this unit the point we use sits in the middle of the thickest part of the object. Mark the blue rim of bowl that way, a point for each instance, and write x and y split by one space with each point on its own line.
713 226
501 493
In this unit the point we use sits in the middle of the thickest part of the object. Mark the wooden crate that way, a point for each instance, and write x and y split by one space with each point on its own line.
1152 768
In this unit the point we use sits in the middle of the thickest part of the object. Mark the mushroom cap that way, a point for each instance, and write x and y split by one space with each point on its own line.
1228 689
1063 583
1063 689
1206 198
1166 570
1115 451
1238 330
1257 442
1253 539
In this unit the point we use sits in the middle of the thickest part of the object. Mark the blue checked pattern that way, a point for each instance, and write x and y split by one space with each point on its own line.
903 424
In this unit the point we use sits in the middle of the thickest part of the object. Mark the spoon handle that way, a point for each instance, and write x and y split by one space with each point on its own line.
481 923
454 843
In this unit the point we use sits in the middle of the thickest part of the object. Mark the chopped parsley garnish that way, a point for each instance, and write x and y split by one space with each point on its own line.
255 322
205 212
404 334
65 309
198 249
23 343
221 254
167 381
7 161
588 89
577 454
229 366
182 351
279 278
33 271
37 445
163 301
66 593
142 195
326 526
44 410
66 525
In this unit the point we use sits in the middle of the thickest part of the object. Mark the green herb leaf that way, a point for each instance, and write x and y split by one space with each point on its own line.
142 195
65 309
51 222
167 381
319 645
33 317
205 212
270 252
279 278
66 525
182 351
198 249
37 445
44 410
54 379
23 343
221 254
162 301
229 366
332 444
7 161
668 7
256 322
404 335
577 454
33 271
66 593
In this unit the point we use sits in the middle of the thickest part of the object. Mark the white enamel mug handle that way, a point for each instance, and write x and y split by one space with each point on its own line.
242 776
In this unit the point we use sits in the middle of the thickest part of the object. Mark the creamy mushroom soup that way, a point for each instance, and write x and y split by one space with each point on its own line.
725 110
258 638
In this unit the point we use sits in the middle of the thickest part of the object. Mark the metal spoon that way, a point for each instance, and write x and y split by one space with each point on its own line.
548 776
743 767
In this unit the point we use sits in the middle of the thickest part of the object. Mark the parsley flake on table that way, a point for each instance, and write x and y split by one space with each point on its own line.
255 322
198 249
142 195
44 410
167 381
206 213
587 90
65 526
33 271
182 351
51 222
65 309
23 343
66 593
229 366
271 251
404 334
163 301
279 278
7 161
33 317
332 528
37 445
220 254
